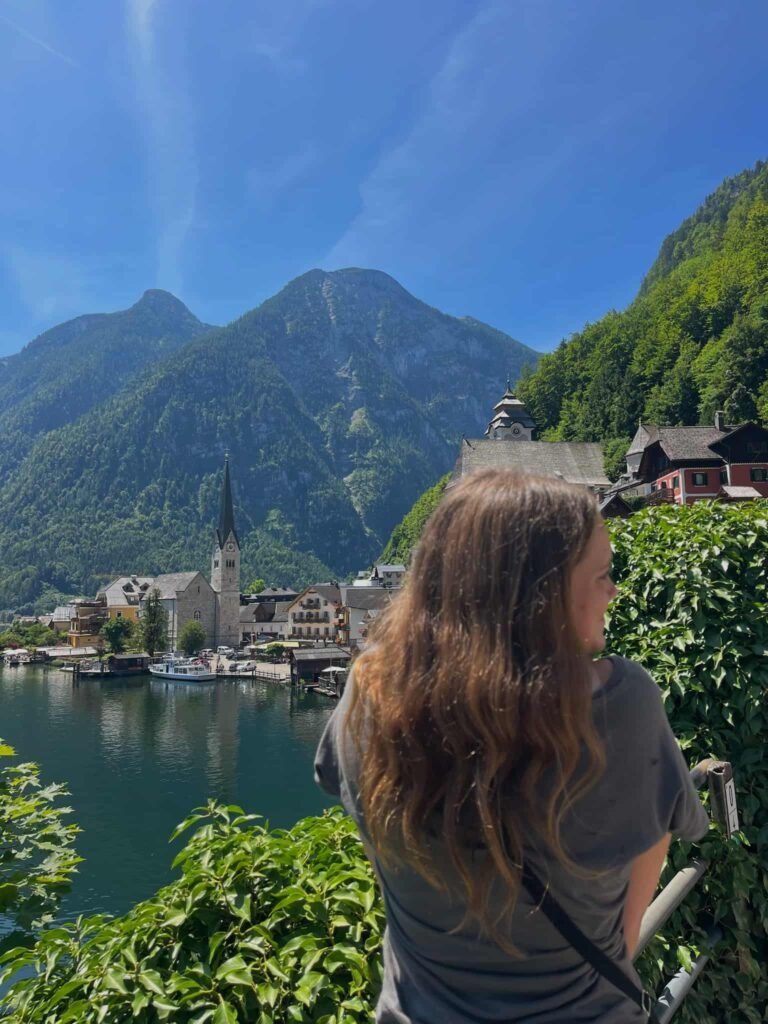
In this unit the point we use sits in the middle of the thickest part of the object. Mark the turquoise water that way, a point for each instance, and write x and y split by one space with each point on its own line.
139 754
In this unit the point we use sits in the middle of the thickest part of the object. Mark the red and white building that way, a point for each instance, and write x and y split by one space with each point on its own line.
685 464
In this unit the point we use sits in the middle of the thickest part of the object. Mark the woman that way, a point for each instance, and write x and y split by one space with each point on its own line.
479 737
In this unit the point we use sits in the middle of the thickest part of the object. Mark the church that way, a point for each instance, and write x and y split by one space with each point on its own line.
509 443
188 596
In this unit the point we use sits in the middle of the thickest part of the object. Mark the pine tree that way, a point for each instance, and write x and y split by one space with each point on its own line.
154 624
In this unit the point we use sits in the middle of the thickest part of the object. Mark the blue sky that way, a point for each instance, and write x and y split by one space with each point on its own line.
518 161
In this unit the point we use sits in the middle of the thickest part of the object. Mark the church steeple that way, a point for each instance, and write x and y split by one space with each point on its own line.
511 420
225 568
226 510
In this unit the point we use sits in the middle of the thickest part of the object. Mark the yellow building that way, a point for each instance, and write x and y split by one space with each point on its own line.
123 595
85 621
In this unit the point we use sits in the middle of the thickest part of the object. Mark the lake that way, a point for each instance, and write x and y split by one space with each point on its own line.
138 754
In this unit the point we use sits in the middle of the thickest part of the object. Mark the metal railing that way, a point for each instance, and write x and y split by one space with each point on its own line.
719 777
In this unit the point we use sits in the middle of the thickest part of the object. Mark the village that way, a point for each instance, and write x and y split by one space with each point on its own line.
309 637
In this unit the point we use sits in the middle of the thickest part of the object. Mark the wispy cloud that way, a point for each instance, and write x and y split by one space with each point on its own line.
440 142
38 41
168 122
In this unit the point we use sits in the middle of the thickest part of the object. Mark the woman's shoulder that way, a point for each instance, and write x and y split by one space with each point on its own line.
631 687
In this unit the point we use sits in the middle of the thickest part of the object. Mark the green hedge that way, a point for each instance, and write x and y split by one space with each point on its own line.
286 926
693 608
261 927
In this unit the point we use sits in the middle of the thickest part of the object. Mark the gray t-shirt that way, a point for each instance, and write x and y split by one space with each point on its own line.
436 972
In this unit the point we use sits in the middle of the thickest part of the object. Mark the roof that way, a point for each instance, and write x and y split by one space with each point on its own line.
69 652
739 493
329 653
614 502
248 612
330 591
640 440
381 567
283 592
172 583
687 444
61 613
511 410
578 462
367 597
226 510
280 616
124 591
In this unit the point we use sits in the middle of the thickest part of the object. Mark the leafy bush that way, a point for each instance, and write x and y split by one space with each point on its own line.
261 927
37 859
693 608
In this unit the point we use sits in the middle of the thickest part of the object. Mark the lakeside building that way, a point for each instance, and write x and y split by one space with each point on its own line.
312 615
356 604
509 443
123 596
682 465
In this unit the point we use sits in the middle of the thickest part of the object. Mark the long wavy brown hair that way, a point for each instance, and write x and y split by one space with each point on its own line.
471 709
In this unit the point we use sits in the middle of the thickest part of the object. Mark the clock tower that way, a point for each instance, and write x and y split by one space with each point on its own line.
225 569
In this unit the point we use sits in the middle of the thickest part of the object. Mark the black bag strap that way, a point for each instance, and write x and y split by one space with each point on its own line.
570 931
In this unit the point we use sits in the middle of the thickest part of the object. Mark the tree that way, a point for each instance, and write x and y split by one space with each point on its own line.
256 586
615 456
154 623
117 632
192 637
38 859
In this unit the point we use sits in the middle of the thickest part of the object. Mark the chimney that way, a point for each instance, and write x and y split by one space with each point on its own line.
720 419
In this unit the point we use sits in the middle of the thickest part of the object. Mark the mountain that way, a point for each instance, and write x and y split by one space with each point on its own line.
340 400
693 341
71 368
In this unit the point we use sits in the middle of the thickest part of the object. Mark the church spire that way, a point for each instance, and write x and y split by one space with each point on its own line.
226 511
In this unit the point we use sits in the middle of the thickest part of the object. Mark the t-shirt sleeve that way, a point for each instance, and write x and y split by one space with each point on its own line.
675 802
680 802
327 770
335 760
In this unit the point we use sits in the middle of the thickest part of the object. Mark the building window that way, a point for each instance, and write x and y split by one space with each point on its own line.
653 487
215 563
723 476
675 482
758 476
197 616
119 615
700 479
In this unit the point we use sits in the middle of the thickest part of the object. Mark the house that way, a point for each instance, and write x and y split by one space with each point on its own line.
85 621
312 614
123 596
683 465
508 444
367 621
257 618
308 662
387 575
356 602
613 505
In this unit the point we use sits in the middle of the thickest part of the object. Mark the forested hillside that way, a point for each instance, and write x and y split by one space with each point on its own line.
340 399
694 340
68 370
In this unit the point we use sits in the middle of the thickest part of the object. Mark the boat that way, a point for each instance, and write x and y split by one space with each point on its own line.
184 669
331 682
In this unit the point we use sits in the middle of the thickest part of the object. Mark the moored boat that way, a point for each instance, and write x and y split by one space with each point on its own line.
184 669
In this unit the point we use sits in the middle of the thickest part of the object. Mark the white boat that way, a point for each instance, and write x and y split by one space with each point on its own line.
184 669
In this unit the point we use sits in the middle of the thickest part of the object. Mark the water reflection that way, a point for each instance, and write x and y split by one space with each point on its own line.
139 754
